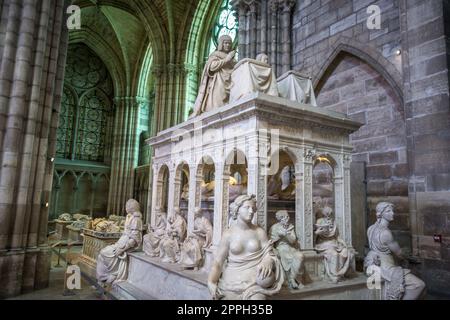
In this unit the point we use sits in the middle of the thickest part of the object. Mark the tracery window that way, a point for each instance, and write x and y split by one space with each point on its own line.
83 132
226 23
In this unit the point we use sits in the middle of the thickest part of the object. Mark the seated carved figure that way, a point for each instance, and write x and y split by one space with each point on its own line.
169 247
285 240
112 262
245 264
154 235
338 259
401 284
192 252
281 187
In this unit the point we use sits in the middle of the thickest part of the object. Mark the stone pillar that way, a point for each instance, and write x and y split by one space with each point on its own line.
156 189
171 196
241 11
339 191
304 201
221 202
177 186
257 176
169 95
347 217
253 9
286 7
193 201
125 153
32 60
273 9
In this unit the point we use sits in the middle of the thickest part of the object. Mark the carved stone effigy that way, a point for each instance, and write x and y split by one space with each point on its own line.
154 235
401 284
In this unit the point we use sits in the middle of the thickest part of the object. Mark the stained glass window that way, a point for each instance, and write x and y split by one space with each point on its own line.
226 24
85 107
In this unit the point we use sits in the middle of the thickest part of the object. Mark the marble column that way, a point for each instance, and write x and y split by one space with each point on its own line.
221 202
156 189
125 155
33 51
286 7
171 195
304 200
170 86
193 201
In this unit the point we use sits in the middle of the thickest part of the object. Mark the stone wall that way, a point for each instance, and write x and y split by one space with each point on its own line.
403 100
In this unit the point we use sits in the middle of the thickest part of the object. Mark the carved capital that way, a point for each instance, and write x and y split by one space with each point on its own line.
287 5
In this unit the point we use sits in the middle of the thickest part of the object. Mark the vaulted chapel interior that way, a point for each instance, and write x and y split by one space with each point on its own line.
224 149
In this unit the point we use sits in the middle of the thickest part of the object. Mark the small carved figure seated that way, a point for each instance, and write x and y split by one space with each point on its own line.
283 235
338 259
154 235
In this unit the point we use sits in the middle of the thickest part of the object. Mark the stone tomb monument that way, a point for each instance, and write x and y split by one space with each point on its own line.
247 135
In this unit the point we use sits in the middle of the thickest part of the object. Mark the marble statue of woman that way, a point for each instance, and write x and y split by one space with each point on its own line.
338 259
192 251
112 262
401 284
169 247
154 235
245 265
283 235
215 85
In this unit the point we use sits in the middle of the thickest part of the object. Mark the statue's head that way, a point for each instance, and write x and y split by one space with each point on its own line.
264 58
244 207
176 210
225 43
282 216
198 212
132 206
385 210
327 212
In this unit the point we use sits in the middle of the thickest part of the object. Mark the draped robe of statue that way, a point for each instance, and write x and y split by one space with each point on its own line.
241 272
153 238
193 248
112 267
214 91
338 259
398 279
169 247
285 243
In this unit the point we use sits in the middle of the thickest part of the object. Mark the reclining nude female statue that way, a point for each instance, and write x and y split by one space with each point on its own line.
245 266
112 262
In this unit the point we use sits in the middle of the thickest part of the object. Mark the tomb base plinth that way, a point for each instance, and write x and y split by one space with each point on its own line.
151 279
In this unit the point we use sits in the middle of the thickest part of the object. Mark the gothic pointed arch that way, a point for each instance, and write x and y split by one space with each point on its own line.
370 55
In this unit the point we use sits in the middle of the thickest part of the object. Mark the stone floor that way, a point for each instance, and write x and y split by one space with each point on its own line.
55 291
